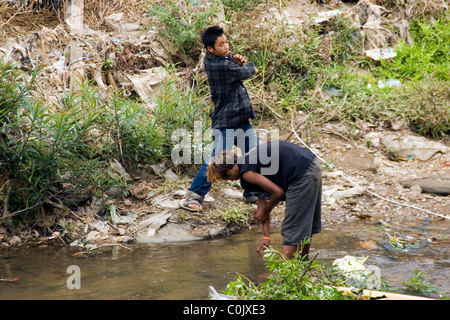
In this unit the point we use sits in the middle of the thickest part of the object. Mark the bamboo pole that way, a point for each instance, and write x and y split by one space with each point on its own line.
381 295
74 21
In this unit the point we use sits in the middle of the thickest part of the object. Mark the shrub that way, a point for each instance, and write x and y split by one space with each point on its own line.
293 279
429 55
182 22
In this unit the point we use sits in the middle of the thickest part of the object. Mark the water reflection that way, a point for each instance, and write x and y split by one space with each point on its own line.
172 271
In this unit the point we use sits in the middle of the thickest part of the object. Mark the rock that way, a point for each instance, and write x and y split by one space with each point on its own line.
352 192
101 226
416 189
154 223
435 185
369 244
169 174
231 193
158 168
15 241
166 234
407 146
157 229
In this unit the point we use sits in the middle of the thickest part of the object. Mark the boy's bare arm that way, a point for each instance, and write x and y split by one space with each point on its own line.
262 214
276 192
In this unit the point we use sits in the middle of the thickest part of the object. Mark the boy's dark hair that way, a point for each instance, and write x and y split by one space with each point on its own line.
210 35
220 165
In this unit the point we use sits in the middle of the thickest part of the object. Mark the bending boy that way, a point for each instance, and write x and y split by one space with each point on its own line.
232 108
287 172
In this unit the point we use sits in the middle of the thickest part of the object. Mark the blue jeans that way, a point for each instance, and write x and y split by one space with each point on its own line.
243 136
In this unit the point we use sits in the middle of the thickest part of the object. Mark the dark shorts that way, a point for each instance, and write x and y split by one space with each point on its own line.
302 217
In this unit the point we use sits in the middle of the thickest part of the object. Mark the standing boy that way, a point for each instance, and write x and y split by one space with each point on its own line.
232 108
287 172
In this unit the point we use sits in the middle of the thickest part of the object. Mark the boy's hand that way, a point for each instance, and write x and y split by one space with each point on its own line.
262 245
238 59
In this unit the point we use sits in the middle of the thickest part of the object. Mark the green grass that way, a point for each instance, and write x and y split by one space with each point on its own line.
428 55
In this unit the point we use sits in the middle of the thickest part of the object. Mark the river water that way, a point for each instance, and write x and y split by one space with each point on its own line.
186 270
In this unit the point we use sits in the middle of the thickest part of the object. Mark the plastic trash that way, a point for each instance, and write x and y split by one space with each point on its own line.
357 275
219 296
326 15
377 54
116 166
117 218
389 83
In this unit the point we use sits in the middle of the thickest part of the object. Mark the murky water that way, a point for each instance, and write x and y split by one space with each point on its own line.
185 270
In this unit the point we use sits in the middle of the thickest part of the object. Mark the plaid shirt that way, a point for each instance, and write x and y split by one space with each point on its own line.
232 105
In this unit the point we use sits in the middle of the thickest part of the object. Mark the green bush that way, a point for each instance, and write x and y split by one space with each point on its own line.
293 279
50 153
430 53
182 24
14 90
177 109
43 149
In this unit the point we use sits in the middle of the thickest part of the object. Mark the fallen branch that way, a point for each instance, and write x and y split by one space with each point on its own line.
266 105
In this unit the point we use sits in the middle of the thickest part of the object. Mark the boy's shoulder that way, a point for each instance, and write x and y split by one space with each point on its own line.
216 60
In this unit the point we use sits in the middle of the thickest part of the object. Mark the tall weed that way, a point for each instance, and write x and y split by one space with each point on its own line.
177 109
181 22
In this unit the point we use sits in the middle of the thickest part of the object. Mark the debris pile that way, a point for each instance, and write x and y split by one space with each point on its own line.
116 55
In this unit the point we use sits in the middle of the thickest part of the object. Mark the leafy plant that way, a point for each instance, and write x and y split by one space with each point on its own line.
14 90
430 53
183 21
293 279
177 110
418 284
237 214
